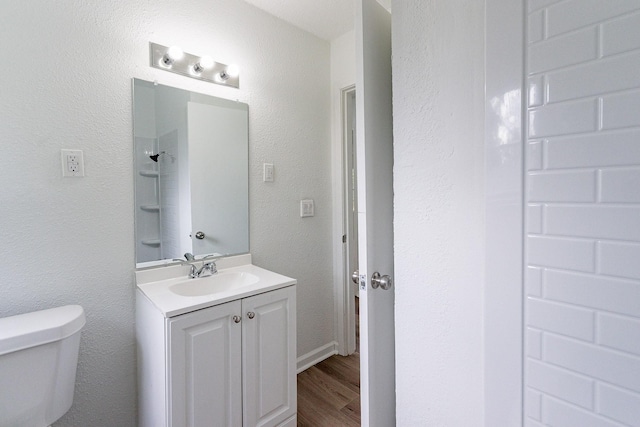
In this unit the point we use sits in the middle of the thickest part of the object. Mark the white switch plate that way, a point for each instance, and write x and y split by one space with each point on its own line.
267 172
306 208
72 163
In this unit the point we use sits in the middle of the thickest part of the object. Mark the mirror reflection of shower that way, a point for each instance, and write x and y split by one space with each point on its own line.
155 157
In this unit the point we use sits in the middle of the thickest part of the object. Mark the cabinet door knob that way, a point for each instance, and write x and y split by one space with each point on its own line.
251 315
236 319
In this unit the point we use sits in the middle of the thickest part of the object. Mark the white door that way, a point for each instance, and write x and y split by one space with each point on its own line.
217 144
375 212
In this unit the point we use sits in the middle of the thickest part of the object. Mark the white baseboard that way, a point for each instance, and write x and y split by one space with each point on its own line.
316 356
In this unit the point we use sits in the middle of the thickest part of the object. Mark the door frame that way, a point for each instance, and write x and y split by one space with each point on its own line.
344 291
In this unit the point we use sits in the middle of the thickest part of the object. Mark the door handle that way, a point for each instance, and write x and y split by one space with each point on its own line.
383 282
355 277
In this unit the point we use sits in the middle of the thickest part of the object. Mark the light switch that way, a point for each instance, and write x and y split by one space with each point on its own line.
306 208
267 174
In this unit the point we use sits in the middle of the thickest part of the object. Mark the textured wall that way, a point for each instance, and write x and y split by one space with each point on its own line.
438 103
582 319
67 85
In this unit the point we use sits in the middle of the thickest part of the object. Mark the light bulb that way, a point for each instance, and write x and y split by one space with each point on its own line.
231 71
204 63
174 53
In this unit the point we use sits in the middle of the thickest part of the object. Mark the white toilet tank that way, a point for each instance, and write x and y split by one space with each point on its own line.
38 359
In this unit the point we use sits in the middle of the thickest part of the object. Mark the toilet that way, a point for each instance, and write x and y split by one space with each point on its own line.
38 360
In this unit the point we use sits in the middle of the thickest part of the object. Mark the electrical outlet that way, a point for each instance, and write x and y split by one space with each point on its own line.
72 163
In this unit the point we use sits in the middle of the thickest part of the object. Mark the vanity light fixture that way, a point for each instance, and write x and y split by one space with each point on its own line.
173 59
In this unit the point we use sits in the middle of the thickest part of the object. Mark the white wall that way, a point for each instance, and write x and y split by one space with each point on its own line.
583 214
67 85
438 101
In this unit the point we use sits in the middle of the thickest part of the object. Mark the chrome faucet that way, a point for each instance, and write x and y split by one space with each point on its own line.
208 268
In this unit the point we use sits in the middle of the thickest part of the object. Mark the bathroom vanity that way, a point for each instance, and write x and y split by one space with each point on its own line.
217 350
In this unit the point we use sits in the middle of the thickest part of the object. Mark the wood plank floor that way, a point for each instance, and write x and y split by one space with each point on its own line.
329 392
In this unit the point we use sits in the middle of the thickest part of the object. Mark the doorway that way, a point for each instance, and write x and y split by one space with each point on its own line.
350 218
329 392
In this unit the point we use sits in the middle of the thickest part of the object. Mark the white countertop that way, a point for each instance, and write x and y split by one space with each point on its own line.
155 284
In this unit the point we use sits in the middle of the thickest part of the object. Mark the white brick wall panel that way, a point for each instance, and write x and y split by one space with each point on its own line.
595 78
619 259
583 97
593 361
559 52
618 332
534 219
619 405
604 293
568 254
604 222
533 281
560 318
559 414
533 404
572 14
562 119
577 186
605 149
621 110
536 27
620 185
622 34
560 383
534 155
536 91
534 343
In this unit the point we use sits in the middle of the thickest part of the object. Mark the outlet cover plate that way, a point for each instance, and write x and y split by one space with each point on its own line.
72 163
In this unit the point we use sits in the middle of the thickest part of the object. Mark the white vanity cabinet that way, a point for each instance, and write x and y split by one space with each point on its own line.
232 364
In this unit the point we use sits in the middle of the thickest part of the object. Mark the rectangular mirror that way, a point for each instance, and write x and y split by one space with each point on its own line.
191 160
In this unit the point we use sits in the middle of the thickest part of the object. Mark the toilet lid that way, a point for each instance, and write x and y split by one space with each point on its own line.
39 327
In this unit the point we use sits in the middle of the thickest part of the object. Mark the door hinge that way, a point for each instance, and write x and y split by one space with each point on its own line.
344 238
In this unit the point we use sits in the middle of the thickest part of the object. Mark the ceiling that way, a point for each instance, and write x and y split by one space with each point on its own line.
326 19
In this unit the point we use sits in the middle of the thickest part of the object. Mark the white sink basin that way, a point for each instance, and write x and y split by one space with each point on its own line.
173 293
219 282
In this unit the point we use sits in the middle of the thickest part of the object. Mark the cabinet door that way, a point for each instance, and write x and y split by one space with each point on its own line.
204 359
269 357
